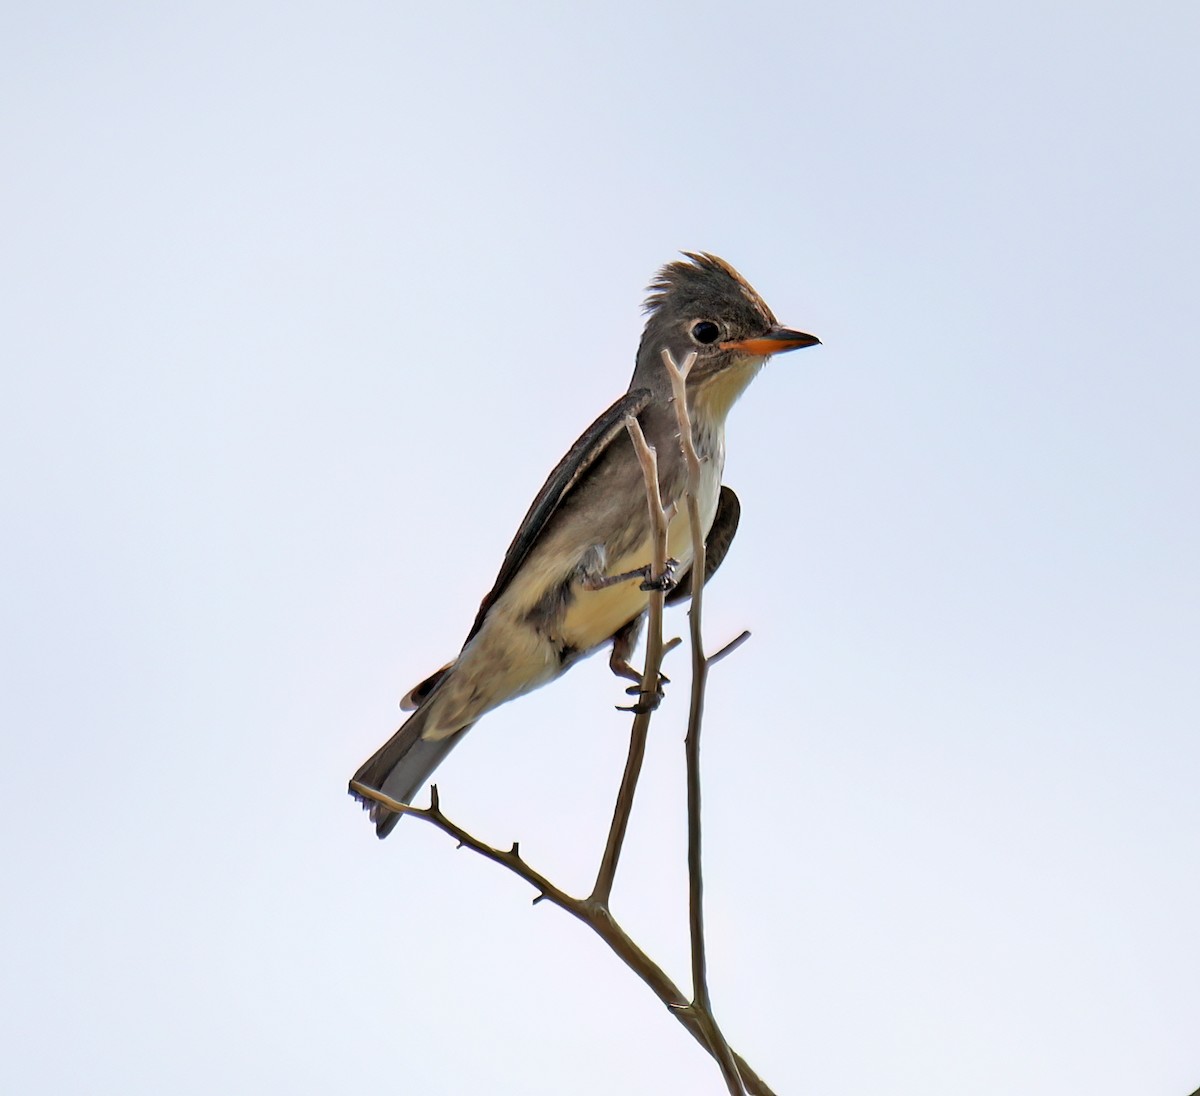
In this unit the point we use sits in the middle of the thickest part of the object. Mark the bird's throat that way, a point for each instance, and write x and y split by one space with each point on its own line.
715 395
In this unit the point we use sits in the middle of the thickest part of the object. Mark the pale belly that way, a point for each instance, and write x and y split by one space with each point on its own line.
509 656
594 616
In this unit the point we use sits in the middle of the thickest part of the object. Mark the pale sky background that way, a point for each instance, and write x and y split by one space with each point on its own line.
301 302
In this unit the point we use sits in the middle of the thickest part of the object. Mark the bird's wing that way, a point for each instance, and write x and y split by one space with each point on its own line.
580 457
716 544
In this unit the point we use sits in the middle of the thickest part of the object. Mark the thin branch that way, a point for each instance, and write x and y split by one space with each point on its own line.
701 1000
699 674
595 915
602 890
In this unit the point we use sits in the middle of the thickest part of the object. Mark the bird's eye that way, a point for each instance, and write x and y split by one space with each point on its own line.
706 332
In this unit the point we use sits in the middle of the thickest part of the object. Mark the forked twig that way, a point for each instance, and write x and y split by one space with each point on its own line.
593 914
696 1015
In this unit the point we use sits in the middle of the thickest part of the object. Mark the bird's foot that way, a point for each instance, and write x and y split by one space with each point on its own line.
664 582
647 701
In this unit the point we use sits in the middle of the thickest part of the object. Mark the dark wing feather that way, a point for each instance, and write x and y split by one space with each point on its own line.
580 457
716 544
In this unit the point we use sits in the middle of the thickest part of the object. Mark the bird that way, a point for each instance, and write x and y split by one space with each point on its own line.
576 575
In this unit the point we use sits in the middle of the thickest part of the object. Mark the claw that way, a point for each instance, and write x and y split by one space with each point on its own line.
633 690
642 706
647 702
665 582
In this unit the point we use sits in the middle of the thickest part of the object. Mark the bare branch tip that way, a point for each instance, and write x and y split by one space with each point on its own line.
729 648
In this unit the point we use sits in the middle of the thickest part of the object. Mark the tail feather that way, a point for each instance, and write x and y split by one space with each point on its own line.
401 767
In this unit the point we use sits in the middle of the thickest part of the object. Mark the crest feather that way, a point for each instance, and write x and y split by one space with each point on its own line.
697 277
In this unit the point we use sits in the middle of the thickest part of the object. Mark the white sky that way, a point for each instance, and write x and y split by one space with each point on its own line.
299 305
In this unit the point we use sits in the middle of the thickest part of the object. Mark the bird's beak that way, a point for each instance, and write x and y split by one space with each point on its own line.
775 341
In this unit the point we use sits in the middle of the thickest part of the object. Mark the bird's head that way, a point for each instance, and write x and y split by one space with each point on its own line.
701 304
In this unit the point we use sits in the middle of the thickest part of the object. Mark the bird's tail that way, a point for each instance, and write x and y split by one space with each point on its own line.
401 767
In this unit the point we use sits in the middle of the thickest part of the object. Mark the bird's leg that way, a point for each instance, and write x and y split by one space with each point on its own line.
595 580
618 661
622 651
623 644
590 576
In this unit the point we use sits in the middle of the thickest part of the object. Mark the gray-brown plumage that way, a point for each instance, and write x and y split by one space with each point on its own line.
553 602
